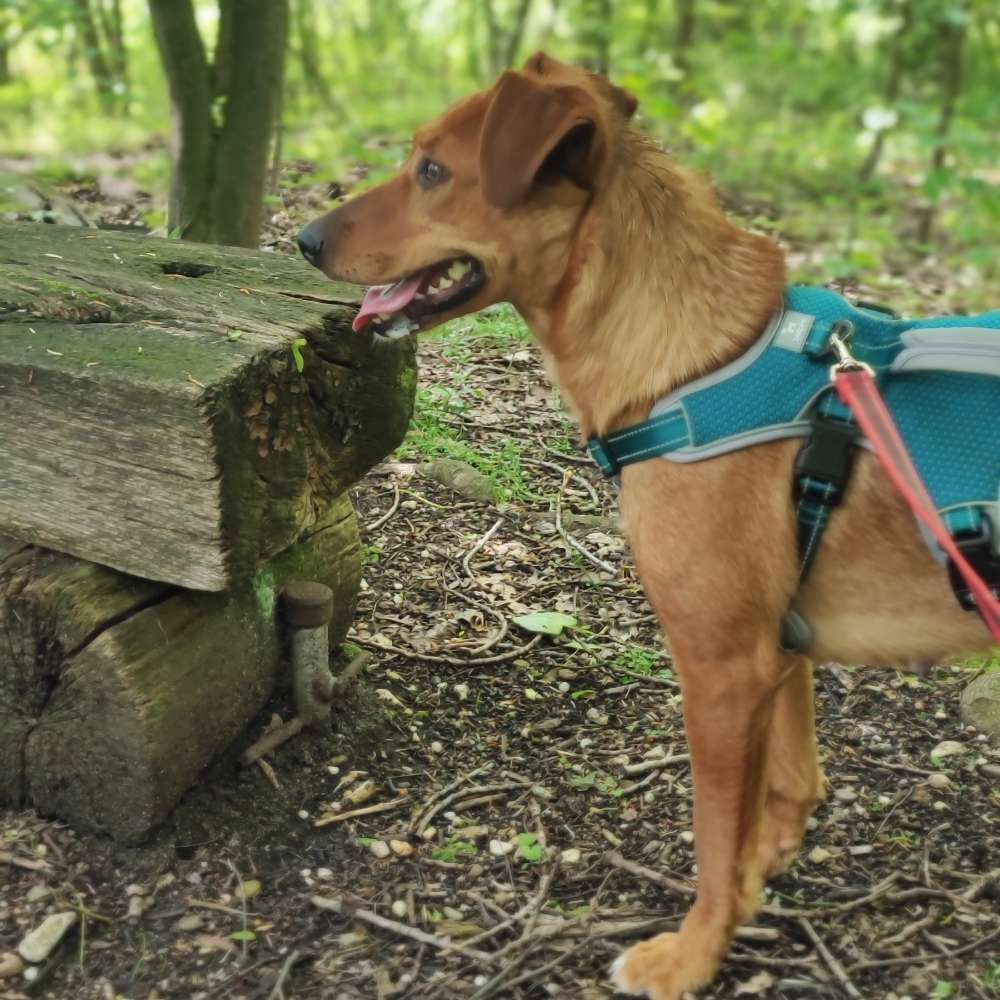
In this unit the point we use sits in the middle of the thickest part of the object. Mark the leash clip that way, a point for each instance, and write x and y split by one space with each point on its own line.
840 335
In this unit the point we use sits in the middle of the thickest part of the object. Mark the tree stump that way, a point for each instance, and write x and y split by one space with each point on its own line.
178 411
178 426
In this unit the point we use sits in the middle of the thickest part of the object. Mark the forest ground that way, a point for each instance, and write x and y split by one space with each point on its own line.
569 748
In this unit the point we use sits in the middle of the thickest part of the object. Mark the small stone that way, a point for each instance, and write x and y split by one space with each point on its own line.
939 781
249 889
687 837
471 832
819 855
452 914
190 922
992 770
845 794
10 964
940 806
37 893
860 850
598 717
437 747
360 793
981 704
399 908
37 945
499 848
430 833
379 848
945 749
462 690
571 856
303 814
401 848
563 687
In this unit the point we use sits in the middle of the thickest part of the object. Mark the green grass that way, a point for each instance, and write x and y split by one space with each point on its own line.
438 428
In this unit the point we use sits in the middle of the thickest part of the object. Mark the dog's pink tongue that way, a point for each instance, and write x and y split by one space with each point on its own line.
386 299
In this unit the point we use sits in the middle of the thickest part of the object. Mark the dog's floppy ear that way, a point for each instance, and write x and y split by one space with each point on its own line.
531 125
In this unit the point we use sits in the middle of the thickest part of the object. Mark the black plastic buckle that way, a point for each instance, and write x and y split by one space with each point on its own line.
979 554
826 460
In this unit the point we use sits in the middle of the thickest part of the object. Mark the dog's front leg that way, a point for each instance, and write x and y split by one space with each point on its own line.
728 711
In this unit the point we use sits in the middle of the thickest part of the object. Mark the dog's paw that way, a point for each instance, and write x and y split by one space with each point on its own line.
656 969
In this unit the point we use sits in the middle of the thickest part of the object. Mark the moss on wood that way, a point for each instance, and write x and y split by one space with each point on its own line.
173 435
115 692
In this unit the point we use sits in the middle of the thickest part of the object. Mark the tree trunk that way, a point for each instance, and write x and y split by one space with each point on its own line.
951 89
110 12
192 409
189 81
255 41
5 76
517 33
684 34
220 168
893 85
306 34
94 51
116 692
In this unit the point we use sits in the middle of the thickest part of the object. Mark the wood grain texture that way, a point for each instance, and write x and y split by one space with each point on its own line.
152 414
116 692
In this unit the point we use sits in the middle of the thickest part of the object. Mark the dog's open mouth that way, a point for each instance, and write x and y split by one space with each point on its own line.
399 309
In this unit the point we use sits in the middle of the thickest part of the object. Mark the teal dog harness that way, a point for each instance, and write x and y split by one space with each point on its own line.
940 378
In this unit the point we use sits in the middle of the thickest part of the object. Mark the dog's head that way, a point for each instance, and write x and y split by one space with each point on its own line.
486 205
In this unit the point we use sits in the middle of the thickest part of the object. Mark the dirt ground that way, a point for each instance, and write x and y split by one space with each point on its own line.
536 790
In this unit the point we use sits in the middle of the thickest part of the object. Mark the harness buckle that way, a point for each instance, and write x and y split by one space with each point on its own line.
978 551
823 464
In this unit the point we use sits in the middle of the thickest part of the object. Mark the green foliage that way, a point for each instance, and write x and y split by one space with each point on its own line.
529 848
546 622
454 851
783 101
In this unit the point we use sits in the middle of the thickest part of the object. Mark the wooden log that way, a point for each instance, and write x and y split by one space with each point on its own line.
179 411
115 692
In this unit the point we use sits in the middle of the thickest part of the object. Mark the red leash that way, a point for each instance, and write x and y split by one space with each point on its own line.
856 387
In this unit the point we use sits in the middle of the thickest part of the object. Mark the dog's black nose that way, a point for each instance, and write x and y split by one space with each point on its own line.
311 242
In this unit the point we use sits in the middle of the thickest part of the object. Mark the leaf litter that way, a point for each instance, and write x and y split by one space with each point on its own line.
522 793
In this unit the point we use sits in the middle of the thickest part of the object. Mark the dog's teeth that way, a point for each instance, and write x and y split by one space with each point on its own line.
459 270
445 283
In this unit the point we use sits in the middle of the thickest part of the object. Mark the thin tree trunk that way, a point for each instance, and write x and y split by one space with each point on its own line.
893 85
604 38
308 52
114 32
684 34
189 81
96 60
517 33
5 77
492 38
951 89
252 34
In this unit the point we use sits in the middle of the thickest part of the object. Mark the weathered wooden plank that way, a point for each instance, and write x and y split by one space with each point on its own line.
115 692
153 416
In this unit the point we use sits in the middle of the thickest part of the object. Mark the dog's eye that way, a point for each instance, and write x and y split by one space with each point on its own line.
431 173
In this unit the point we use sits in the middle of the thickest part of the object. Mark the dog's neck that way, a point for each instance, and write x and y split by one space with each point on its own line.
660 289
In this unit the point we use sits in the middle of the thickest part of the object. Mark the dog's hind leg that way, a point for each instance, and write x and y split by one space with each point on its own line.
794 776
729 706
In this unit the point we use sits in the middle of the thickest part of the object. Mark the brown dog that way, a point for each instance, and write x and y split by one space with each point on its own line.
540 193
